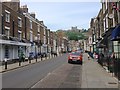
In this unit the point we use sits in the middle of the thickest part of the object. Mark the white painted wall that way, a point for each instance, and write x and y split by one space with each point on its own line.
1 52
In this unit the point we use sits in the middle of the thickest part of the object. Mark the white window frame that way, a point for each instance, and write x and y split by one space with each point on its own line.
7 16
8 31
31 36
20 33
48 40
48 33
113 18
31 24
38 28
104 24
19 22
44 40
44 31
38 36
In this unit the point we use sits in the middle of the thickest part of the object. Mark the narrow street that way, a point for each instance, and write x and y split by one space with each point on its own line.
39 41
66 76
57 73
27 76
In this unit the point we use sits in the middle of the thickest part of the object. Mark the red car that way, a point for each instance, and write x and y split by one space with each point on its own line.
75 57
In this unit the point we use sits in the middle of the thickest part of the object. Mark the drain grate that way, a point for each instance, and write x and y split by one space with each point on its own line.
112 83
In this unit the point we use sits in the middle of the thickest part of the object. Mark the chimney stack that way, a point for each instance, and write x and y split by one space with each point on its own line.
24 9
13 4
32 14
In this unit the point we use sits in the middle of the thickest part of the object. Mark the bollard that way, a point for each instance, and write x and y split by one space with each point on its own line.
36 58
5 63
41 58
19 62
49 55
29 60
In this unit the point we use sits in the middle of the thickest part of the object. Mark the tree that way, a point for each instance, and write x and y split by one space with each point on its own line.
75 35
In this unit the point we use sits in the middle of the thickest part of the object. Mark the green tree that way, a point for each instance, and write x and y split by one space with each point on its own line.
75 35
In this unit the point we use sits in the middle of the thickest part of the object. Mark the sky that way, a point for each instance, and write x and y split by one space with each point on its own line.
64 15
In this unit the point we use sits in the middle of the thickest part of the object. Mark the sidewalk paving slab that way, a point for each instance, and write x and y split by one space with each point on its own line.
95 76
26 63
16 65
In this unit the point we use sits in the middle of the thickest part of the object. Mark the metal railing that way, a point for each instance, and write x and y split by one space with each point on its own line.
112 64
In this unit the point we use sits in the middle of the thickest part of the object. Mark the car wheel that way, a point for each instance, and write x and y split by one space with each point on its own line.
69 61
81 63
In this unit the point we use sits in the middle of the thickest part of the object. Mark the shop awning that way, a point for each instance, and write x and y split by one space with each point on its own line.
116 34
14 43
100 44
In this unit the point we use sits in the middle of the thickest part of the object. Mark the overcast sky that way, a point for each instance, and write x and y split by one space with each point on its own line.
64 15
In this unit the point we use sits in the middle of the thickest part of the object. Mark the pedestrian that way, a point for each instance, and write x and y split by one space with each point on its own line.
112 62
95 56
101 58
113 55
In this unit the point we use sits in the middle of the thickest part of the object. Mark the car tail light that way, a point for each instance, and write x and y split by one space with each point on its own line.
70 57
80 57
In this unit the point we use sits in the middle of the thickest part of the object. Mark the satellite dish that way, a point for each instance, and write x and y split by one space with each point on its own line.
110 16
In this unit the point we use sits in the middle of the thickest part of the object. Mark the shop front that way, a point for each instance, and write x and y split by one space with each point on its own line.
10 49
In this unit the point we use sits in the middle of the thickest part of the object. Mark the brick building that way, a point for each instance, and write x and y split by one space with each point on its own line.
12 31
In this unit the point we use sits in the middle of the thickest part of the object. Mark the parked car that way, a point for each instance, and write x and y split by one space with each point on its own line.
75 57
54 53
43 54
32 55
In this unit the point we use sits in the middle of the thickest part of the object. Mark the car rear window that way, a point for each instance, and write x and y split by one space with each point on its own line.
75 53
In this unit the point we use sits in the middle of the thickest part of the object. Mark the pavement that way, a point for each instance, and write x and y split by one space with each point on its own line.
95 76
89 75
23 64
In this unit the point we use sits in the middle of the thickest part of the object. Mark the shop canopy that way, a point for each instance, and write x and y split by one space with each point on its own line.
14 43
116 34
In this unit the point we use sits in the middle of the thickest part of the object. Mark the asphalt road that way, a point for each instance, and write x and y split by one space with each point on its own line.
27 76
66 76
